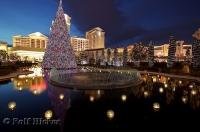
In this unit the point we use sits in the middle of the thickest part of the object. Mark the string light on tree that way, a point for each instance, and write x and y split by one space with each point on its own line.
59 53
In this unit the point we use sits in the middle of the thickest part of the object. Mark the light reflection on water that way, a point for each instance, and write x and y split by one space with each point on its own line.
157 93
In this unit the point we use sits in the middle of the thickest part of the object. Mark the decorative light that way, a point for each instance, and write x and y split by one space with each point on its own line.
166 85
154 79
161 90
174 89
12 105
180 82
124 98
35 92
61 96
48 114
110 114
193 92
26 80
168 78
184 99
146 93
18 84
191 86
20 89
91 99
98 92
156 106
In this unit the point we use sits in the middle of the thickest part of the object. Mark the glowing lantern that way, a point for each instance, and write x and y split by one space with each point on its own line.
61 96
161 90
156 106
123 98
110 114
12 105
48 114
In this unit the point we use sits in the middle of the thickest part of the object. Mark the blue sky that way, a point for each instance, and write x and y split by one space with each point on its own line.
27 16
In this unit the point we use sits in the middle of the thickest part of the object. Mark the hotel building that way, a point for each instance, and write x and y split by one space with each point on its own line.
3 46
96 38
79 44
161 52
30 47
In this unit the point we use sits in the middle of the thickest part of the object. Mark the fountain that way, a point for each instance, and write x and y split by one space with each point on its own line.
60 65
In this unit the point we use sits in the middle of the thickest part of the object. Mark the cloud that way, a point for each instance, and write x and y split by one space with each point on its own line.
129 21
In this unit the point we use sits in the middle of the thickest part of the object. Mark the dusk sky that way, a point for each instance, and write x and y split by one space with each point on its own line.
124 21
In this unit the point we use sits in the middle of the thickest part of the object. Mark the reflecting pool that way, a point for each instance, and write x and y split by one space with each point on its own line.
29 103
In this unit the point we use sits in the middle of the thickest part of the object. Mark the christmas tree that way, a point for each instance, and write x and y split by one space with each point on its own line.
59 53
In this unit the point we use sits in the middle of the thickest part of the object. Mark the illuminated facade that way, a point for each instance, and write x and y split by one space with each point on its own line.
34 40
79 44
171 52
3 46
30 47
161 52
34 82
96 38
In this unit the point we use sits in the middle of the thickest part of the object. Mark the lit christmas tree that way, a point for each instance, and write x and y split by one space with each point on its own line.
108 56
59 53
171 53
151 53
196 50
